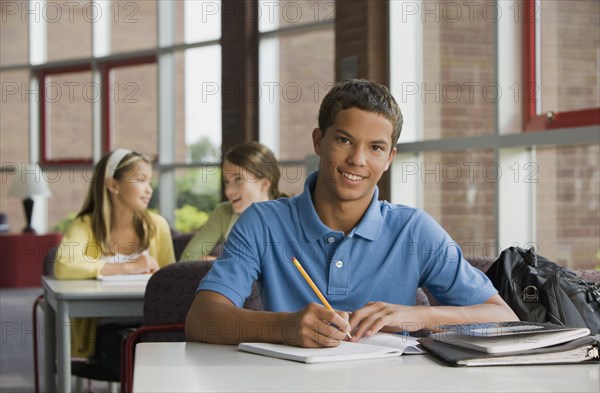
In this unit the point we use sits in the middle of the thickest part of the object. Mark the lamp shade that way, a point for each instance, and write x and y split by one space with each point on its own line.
29 181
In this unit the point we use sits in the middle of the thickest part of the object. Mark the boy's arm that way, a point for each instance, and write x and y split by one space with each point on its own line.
393 317
213 318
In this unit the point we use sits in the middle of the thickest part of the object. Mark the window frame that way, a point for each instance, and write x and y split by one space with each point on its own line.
532 121
107 109
103 66
42 76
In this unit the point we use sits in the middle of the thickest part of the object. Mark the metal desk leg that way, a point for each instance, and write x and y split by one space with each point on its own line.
64 347
49 334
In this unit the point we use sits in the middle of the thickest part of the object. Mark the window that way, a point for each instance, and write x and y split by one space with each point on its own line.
69 185
66 115
568 205
14 140
562 82
132 106
469 162
443 77
81 78
198 190
13 34
297 49
458 191
196 68
197 21
198 121
68 28
457 92
132 25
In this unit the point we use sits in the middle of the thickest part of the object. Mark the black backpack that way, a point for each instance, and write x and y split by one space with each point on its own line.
538 290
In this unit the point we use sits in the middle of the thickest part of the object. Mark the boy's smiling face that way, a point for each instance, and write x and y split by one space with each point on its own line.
355 151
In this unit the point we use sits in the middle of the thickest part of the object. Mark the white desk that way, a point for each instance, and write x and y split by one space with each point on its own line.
80 298
197 367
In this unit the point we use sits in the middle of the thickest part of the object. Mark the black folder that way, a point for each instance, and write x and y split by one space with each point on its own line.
581 350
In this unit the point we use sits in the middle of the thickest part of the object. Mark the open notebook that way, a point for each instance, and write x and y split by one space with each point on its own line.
380 345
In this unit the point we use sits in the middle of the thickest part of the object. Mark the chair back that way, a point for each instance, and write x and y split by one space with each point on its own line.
170 293
48 267
180 241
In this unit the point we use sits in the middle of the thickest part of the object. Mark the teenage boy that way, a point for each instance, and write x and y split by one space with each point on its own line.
367 256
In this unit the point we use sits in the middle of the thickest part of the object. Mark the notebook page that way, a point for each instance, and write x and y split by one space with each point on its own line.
125 277
406 344
345 351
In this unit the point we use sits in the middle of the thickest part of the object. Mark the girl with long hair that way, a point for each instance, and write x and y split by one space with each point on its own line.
113 234
250 174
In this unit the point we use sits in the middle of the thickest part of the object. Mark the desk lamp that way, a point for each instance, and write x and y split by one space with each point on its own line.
29 182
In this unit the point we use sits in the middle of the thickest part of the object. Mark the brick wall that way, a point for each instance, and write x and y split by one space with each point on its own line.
569 72
306 73
69 100
13 33
68 28
568 211
14 143
459 193
455 57
133 25
568 194
134 121
458 61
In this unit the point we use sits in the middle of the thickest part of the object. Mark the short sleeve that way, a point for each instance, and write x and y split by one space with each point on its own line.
445 272
234 273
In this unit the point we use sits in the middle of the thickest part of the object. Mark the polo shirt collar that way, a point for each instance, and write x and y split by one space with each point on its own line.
369 225
314 229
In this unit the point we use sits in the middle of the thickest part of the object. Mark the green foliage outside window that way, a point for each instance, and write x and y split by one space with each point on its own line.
189 219
200 188
204 150
198 193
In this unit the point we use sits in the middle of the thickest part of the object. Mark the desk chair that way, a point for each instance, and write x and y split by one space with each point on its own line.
169 295
80 368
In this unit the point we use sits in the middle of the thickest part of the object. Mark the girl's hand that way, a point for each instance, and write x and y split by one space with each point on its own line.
144 264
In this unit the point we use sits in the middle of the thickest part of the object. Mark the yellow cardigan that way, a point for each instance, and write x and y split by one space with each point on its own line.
78 258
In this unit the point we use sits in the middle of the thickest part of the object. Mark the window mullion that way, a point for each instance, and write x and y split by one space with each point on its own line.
166 109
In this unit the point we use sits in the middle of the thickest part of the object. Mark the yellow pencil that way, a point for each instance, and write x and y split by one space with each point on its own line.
314 286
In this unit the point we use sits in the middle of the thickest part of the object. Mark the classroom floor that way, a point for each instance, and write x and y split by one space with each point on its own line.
16 343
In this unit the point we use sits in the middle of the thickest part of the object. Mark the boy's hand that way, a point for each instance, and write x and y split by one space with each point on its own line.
377 316
316 326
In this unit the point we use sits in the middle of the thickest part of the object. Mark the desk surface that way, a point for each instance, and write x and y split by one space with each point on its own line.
93 298
94 289
198 367
65 299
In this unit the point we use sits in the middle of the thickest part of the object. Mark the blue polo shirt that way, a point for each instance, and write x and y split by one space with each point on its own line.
392 251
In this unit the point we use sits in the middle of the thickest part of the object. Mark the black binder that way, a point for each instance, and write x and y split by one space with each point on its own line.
578 351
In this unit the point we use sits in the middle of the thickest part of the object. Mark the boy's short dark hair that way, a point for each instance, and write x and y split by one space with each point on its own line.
364 95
